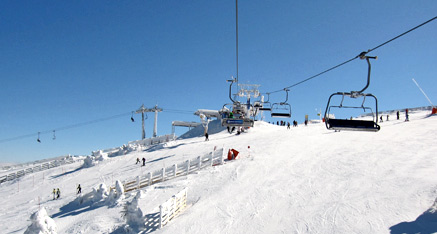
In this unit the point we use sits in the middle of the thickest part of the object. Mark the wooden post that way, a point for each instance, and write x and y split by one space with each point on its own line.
210 160
160 216
138 182
150 178
222 160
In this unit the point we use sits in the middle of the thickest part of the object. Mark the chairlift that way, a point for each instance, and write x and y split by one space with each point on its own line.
352 124
237 117
132 117
281 109
54 135
265 105
38 140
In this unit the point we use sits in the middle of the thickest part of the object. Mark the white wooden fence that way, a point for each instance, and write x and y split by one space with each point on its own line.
214 158
40 167
154 140
172 207
116 151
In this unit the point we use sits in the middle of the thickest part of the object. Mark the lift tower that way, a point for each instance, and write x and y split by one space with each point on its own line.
143 110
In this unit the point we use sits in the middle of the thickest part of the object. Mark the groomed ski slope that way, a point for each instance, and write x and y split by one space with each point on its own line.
303 180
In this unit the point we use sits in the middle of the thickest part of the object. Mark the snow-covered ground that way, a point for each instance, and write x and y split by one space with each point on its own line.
303 180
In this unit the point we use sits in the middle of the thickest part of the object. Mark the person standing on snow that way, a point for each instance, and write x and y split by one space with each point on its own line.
138 161
397 114
79 189
406 115
58 193
206 136
54 194
144 161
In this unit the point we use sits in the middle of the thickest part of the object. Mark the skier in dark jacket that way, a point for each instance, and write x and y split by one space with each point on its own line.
144 161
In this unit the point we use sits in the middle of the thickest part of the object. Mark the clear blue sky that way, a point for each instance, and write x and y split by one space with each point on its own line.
69 62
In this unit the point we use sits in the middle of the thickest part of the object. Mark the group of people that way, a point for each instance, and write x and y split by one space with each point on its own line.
407 116
144 161
56 193
284 123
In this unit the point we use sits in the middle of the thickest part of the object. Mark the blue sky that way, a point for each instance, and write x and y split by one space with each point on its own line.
69 62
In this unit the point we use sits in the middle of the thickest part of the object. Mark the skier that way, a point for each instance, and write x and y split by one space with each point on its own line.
387 117
206 136
380 119
397 114
406 115
54 194
144 161
79 189
58 193
288 125
138 160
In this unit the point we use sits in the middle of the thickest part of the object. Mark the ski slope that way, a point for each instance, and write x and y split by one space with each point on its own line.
302 180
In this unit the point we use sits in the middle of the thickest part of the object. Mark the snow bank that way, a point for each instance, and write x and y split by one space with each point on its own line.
41 223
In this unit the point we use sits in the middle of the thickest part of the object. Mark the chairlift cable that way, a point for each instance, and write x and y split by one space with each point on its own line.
358 56
236 30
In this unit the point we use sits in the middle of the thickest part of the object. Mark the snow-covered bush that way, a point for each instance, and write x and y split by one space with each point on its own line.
133 214
100 156
41 223
100 193
88 162
117 194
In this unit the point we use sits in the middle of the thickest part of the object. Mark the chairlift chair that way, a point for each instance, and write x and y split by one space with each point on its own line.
238 118
265 105
281 109
352 124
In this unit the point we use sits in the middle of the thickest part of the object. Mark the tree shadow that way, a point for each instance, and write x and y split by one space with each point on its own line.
67 173
151 224
75 207
426 223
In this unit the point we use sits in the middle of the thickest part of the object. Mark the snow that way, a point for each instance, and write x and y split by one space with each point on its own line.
303 180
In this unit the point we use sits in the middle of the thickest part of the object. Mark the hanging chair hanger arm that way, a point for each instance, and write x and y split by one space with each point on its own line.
363 56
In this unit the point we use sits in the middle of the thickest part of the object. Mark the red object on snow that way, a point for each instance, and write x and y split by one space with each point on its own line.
232 154
434 111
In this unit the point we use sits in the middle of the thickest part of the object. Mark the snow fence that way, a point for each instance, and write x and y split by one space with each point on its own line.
213 158
40 167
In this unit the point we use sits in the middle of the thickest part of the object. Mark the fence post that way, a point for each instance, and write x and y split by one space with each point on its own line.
138 182
150 178
200 161
211 158
163 174
188 166
222 160
175 170
160 216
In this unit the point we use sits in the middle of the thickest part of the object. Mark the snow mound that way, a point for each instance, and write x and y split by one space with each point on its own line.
41 223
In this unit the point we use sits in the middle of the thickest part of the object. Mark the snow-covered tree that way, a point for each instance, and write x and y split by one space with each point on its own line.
41 223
